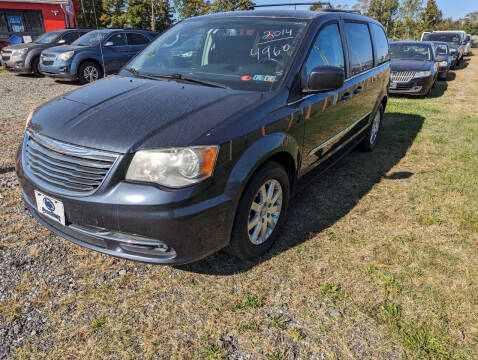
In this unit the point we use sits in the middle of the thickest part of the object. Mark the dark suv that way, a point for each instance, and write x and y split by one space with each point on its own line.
25 58
198 144
95 54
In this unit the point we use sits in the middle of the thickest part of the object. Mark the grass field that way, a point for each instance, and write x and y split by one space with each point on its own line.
379 260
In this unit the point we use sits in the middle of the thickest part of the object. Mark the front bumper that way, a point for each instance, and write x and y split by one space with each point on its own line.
16 64
418 86
137 221
58 69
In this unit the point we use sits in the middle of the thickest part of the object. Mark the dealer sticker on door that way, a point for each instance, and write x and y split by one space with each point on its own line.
50 207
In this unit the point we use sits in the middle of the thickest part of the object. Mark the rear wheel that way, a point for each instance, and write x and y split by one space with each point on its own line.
370 141
89 72
261 212
35 66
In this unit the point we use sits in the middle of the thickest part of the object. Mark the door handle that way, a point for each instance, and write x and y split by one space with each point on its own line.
346 96
358 90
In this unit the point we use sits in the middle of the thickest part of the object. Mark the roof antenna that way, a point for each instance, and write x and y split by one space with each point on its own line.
101 45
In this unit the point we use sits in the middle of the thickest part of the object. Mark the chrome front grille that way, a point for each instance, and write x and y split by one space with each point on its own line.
6 55
402 76
64 168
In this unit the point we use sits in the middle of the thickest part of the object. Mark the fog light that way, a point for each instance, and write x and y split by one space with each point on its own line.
19 65
64 69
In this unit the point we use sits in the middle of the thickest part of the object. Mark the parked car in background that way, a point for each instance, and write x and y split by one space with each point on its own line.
2 45
92 56
414 67
25 58
425 36
197 145
443 57
455 40
468 45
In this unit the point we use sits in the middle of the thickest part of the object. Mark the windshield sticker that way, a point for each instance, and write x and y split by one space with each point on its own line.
246 78
268 78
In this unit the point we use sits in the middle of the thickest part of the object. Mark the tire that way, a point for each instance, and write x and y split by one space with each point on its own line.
373 132
242 244
35 66
89 72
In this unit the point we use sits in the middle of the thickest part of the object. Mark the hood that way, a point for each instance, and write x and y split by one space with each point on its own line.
28 46
123 114
63 48
411 65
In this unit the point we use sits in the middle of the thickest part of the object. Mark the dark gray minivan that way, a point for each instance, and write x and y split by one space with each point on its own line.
199 142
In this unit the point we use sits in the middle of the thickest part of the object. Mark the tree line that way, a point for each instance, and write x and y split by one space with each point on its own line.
407 19
403 19
155 15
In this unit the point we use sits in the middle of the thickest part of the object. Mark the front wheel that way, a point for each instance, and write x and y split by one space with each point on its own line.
36 67
89 72
261 212
370 141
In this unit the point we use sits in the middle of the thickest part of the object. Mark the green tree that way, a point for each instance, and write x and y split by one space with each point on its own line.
408 16
113 14
431 16
190 8
470 23
231 5
91 11
384 11
148 14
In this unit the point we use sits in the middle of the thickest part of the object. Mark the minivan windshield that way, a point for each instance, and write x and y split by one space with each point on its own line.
446 37
248 53
410 52
48 38
90 39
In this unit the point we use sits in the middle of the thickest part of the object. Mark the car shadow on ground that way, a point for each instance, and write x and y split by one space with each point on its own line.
331 196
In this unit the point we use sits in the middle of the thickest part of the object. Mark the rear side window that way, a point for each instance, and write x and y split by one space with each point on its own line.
70 37
327 49
136 39
118 39
381 44
360 47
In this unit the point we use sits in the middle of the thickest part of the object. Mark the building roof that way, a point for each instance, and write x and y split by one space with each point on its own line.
39 1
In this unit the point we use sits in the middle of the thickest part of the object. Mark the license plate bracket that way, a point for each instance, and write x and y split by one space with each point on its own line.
50 207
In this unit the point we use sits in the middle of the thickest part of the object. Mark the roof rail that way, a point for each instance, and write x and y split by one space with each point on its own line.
327 6
323 3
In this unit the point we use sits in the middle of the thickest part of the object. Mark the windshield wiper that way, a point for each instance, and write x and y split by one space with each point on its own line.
137 74
191 80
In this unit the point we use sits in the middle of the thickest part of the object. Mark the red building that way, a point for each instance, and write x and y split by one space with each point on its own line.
34 17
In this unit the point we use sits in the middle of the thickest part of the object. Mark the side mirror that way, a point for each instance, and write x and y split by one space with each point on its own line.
109 43
325 78
62 41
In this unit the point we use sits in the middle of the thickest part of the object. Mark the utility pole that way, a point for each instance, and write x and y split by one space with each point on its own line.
84 14
153 20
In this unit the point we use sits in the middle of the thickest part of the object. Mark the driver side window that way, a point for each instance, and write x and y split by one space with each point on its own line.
327 49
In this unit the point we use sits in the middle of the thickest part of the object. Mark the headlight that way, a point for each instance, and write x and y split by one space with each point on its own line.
452 51
443 63
175 168
29 118
19 52
422 74
65 56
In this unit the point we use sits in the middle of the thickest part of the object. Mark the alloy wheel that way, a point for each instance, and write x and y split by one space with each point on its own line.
265 211
375 128
90 73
